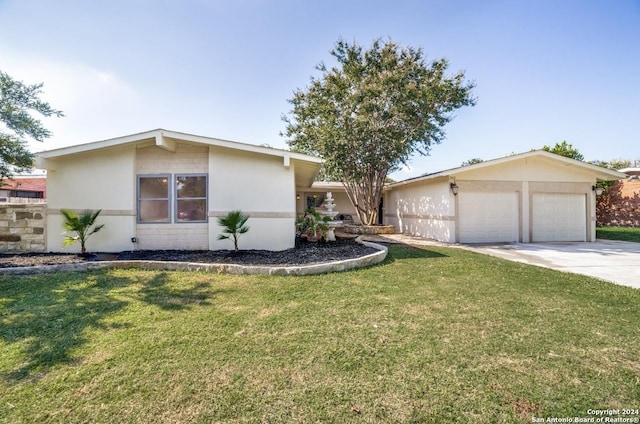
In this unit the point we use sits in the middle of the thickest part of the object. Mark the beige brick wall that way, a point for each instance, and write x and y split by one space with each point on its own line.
22 227
187 159
184 236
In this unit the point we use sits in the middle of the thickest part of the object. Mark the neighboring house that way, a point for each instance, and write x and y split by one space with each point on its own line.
531 197
630 187
620 204
24 187
166 189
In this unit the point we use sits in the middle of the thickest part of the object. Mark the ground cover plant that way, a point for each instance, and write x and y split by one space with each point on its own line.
437 335
619 233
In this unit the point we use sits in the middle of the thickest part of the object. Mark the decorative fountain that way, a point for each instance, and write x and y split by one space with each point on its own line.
327 210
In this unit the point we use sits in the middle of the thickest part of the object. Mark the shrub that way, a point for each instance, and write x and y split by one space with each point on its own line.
313 225
81 225
234 225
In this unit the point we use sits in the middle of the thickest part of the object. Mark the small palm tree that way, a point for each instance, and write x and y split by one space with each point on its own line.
234 225
81 225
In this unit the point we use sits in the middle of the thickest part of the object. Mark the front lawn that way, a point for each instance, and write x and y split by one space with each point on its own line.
437 335
619 233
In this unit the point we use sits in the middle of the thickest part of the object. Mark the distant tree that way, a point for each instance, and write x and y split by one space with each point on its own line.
472 161
565 149
17 100
370 113
234 226
614 164
80 224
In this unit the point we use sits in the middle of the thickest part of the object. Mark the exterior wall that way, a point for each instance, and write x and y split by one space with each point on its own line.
425 209
95 180
527 169
535 175
261 187
187 159
23 228
428 209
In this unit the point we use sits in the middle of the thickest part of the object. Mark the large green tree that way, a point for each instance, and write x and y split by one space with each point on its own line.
17 102
368 114
565 149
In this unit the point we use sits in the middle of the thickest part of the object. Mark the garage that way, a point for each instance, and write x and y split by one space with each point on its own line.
527 197
559 217
486 217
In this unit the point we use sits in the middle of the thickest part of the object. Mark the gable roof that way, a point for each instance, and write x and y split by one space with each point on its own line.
601 174
306 166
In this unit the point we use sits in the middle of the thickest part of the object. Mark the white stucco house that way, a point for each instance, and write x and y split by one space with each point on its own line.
165 190
530 197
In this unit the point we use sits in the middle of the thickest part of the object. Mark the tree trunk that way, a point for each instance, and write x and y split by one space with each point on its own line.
366 194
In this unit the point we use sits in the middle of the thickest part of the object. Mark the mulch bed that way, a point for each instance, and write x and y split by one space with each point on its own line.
305 253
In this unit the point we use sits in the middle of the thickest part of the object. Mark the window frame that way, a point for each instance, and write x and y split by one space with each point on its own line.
168 198
176 199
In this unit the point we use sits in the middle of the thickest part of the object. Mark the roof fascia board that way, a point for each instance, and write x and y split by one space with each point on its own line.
103 144
161 138
241 146
602 173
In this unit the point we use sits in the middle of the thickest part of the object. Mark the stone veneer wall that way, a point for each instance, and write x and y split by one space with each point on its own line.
22 227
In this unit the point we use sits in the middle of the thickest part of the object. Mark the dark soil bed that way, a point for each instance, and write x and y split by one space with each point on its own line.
304 253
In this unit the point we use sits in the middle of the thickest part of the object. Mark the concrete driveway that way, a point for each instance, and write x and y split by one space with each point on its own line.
615 261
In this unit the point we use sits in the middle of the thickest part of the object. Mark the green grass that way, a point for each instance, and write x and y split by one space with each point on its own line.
437 335
619 233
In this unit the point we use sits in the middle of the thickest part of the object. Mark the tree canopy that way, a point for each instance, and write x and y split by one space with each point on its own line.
471 161
565 149
17 101
368 114
614 164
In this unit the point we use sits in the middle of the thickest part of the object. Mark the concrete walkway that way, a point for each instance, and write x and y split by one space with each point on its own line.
614 261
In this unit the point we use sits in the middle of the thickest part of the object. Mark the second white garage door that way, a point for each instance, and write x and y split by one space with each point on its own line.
488 217
559 217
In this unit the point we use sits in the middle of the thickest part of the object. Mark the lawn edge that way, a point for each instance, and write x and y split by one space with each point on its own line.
312 269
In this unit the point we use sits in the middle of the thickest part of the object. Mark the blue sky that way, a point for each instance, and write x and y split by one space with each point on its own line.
546 71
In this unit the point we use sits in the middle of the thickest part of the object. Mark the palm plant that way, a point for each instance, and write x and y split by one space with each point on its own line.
234 225
81 225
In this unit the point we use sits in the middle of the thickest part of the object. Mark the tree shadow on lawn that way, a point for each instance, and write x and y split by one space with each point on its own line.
50 319
406 251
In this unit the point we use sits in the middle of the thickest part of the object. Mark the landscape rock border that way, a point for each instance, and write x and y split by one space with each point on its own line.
319 268
370 230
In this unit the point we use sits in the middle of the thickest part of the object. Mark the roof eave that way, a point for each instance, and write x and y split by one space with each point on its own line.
602 174
160 137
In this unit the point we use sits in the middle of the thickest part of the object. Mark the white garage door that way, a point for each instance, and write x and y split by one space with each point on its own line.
559 217
488 217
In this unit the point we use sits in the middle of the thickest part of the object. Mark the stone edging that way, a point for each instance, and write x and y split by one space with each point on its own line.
322 268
